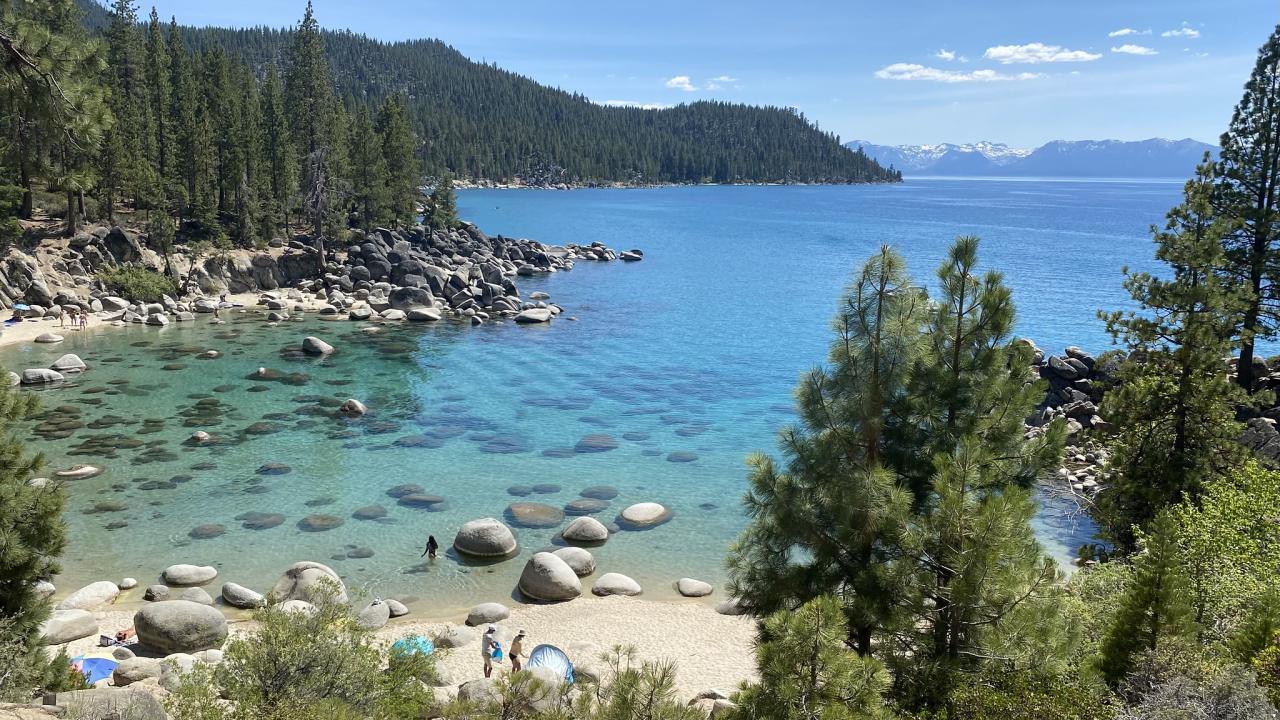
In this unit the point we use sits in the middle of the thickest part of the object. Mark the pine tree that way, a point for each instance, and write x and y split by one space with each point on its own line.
125 171
404 173
1249 192
315 124
829 522
979 588
807 672
159 104
1156 607
442 205
369 178
1175 406
183 103
30 526
279 159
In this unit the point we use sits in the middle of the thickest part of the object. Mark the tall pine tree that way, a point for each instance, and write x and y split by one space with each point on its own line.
978 587
829 521
1249 192
399 152
279 157
370 188
164 165
1174 409
315 125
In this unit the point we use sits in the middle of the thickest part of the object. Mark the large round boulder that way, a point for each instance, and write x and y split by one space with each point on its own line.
482 691
186 575
49 338
615 584
305 581
547 577
63 626
486 537
91 596
643 516
582 561
180 626
312 345
586 530
488 613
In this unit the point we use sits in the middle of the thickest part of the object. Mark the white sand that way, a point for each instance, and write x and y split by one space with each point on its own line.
711 651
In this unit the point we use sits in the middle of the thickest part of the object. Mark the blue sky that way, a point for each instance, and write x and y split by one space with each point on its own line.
908 71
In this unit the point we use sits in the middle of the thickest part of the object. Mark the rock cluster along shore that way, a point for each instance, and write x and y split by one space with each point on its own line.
453 271
1077 382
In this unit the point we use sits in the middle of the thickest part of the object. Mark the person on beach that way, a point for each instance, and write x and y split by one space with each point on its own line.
489 646
517 647
432 547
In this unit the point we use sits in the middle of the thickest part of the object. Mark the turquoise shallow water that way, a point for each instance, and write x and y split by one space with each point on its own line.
692 351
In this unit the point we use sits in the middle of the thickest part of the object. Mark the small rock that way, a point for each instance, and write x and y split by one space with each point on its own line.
689 587
615 584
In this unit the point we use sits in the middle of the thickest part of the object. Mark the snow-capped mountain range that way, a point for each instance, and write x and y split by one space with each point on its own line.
1156 157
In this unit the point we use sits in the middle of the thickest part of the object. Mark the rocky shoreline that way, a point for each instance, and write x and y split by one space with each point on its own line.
393 274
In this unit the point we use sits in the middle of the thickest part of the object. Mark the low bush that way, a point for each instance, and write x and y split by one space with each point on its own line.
135 283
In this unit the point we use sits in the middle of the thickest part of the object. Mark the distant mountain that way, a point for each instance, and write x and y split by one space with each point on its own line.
1156 157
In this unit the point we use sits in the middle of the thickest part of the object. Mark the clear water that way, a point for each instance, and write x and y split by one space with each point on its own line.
695 350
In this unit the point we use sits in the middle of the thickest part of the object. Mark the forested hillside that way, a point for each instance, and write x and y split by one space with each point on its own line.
479 121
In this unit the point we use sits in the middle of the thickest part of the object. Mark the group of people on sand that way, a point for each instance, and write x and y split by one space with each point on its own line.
79 319
491 650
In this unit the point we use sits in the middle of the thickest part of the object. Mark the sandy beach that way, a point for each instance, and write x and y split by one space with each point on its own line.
710 650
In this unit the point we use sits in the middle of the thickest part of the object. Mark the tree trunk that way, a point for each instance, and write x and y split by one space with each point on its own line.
73 219
28 198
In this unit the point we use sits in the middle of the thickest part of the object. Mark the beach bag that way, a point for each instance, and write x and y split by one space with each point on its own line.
497 651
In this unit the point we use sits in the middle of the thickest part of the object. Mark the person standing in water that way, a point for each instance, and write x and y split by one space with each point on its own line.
432 547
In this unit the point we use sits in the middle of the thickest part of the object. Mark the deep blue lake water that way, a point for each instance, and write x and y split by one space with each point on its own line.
694 350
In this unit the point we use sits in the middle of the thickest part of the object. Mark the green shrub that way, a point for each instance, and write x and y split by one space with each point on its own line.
298 665
1029 695
135 283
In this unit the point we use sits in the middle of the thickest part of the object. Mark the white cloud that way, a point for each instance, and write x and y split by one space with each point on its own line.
1124 32
719 82
911 71
634 104
681 82
1035 53
1129 49
945 54
724 79
1184 31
